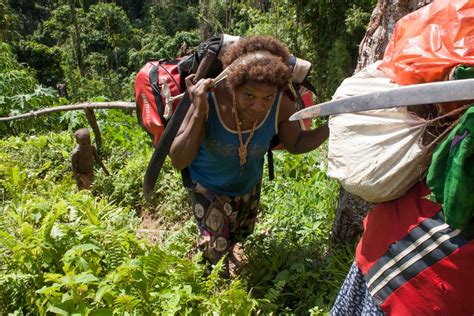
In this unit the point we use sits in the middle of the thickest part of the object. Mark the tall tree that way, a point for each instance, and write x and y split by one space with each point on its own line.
351 209
76 38
205 29
5 20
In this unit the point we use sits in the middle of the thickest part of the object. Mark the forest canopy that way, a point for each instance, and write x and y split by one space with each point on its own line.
96 47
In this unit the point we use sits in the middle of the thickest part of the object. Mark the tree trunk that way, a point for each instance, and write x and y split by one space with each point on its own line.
299 13
229 6
351 209
205 30
76 37
90 115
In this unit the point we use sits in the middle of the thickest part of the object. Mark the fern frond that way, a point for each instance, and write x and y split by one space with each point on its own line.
14 289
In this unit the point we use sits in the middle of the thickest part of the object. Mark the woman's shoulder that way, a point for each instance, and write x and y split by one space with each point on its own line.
287 107
222 92
223 97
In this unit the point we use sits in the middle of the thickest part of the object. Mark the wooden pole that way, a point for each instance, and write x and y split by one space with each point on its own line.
90 115
72 107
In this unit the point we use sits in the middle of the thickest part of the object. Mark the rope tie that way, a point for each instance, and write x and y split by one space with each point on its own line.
243 146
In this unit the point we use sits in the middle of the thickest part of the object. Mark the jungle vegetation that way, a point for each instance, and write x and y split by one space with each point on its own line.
107 251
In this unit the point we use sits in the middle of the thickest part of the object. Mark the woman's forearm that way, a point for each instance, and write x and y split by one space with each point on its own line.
310 140
186 144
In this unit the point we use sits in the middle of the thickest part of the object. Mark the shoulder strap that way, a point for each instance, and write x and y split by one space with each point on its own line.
271 170
186 178
163 147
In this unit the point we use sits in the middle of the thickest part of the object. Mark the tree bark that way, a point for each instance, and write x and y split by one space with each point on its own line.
76 37
351 209
73 107
205 30
299 13
90 115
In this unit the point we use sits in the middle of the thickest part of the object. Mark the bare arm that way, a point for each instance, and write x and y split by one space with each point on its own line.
188 139
296 140
99 160
191 132
74 160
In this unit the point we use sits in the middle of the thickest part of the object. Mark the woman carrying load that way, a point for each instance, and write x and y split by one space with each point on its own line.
226 133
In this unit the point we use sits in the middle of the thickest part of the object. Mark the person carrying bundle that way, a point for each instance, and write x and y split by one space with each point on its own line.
226 133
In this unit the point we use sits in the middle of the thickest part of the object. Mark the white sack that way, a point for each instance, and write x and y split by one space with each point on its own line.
377 155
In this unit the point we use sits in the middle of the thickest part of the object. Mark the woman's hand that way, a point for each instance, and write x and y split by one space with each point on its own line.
198 94
191 132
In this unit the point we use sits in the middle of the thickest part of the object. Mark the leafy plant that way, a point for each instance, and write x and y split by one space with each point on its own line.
20 93
63 251
45 60
289 253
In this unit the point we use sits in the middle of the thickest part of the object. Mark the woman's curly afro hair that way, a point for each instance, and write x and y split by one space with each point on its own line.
270 69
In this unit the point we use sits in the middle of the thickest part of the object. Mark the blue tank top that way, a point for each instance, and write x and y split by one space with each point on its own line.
217 164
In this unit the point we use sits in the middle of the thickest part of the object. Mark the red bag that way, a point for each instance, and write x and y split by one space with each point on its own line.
155 85
427 43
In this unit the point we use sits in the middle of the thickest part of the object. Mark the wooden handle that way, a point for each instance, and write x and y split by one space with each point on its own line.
205 64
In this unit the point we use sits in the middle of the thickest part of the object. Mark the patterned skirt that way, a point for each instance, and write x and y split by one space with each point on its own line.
354 297
223 220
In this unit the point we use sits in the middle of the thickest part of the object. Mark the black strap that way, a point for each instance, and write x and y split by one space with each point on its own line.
186 178
271 171
308 85
163 147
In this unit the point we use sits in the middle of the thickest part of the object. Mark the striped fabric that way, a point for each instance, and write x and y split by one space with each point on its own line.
413 262
422 247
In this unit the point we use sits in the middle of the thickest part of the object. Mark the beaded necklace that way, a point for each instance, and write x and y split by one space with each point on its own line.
243 146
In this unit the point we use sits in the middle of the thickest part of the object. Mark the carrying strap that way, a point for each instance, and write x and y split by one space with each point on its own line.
186 178
163 147
271 170
299 105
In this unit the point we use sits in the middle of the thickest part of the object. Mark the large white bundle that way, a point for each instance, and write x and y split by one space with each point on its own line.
377 155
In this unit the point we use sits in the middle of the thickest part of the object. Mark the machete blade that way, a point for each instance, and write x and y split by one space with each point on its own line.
425 93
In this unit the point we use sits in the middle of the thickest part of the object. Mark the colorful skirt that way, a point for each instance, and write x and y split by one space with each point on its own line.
223 220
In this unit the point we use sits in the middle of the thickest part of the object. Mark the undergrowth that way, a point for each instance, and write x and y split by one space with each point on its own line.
66 251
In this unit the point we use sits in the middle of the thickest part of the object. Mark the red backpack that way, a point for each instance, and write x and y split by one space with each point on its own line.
155 86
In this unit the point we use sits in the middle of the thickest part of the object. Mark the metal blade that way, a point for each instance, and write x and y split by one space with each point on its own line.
426 93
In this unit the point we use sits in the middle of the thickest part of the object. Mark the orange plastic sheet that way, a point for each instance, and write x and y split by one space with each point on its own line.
428 42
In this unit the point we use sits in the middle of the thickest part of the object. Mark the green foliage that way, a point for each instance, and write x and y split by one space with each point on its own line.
280 21
20 93
334 40
170 18
313 30
116 43
288 260
107 31
28 14
357 19
7 19
109 85
156 47
106 35
45 60
56 30
64 252
15 78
